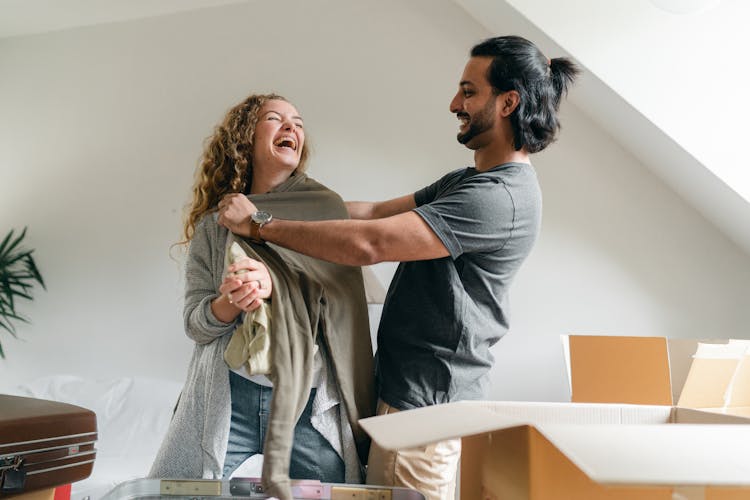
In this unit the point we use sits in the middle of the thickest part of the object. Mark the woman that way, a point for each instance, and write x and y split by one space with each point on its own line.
321 355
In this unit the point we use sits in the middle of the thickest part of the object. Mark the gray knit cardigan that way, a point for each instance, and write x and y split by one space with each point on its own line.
196 442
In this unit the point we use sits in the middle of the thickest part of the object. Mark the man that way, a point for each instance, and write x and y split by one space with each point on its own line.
460 242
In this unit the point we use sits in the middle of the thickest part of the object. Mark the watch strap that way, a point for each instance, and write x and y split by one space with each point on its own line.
255 231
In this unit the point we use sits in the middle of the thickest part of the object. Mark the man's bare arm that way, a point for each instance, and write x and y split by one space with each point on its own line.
369 210
403 237
355 242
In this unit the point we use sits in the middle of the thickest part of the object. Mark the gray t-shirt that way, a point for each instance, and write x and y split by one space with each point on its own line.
441 316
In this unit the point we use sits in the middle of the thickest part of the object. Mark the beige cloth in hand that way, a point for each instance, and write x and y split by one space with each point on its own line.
250 344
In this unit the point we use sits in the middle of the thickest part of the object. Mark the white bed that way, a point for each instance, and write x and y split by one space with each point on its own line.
132 417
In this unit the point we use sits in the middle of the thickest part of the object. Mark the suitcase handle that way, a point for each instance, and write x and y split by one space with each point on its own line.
302 489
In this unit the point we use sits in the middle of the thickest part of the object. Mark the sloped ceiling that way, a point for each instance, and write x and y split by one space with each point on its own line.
25 17
668 87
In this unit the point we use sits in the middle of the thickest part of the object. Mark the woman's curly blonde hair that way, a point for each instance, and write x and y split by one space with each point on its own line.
226 165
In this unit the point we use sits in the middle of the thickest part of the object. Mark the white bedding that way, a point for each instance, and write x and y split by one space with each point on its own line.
132 417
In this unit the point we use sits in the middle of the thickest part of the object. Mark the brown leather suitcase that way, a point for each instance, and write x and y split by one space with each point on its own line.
44 444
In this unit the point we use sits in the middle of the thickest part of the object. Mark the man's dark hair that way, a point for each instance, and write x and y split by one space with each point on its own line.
517 64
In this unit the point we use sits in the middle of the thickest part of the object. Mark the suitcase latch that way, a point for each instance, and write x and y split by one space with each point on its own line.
12 474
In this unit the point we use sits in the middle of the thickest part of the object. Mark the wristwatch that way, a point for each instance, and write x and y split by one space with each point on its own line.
257 221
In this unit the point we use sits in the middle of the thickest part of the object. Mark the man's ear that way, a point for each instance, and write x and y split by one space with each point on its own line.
508 102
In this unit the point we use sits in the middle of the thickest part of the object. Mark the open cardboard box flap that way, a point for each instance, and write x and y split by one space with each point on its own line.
670 455
622 437
639 450
659 371
409 429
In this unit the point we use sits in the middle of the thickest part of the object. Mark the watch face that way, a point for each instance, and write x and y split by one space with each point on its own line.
261 217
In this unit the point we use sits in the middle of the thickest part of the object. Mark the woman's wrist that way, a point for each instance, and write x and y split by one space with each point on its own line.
224 309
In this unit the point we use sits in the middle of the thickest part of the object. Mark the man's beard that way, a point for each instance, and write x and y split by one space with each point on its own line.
482 121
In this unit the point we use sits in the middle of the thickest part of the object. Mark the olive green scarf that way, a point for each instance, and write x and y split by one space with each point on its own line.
309 296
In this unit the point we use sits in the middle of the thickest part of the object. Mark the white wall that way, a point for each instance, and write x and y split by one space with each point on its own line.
101 129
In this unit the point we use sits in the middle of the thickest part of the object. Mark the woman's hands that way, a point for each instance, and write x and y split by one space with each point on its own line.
248 281
244 288
247 284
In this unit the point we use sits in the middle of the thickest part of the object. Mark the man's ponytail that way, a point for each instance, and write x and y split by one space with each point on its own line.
562 72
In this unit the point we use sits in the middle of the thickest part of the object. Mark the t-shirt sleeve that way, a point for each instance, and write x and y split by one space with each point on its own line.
476 216
427 194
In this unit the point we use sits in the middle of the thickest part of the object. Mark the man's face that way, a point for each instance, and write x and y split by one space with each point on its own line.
475 104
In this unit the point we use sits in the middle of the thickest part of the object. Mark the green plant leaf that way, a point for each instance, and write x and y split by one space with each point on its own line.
15 258
13 244
31 267
14 315
5 241
7 325
18 274
20 293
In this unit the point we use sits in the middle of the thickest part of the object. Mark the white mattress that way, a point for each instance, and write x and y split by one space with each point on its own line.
132 417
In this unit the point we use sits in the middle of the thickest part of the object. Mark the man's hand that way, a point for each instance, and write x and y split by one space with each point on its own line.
234 213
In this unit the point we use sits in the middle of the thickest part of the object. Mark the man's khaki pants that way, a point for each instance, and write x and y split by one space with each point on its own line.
431 469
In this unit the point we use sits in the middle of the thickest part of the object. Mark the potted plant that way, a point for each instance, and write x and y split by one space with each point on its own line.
18 274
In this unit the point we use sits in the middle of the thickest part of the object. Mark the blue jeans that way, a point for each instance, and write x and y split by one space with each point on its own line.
312 456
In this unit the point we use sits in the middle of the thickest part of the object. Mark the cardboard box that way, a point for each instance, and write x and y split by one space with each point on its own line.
713 375
579 451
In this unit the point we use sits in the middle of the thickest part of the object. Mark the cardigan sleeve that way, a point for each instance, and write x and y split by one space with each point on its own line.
202 279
